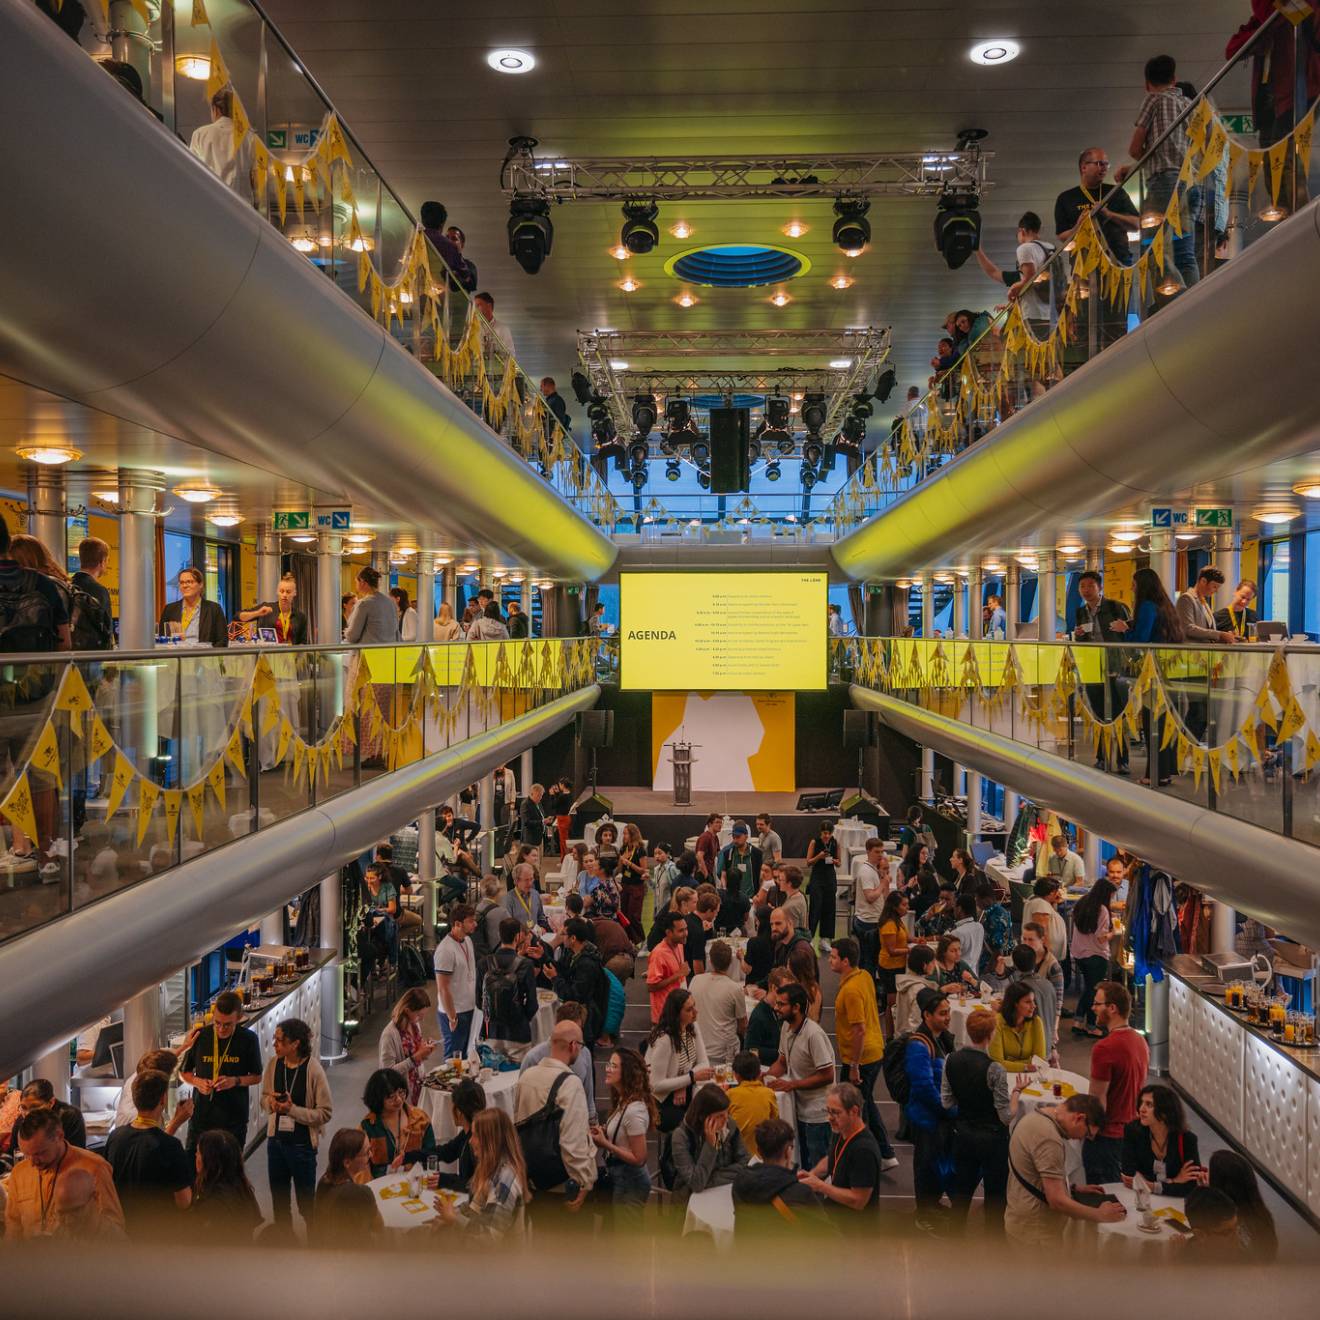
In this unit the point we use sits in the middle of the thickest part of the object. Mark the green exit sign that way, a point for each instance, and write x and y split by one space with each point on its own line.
1241 123
292 520
1214 517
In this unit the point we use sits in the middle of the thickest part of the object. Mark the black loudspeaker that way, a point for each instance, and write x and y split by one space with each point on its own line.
858 729
730 467
591 806
828 801
596 728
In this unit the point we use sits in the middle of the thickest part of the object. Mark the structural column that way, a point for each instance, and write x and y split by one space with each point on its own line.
1091 856
426 873
1010 808
974 788
329 628
1228 557
56 1068
1164 560
1047 590
142 1025
268 563
526 601
975 595
959 606
332 983
927 604
1012 601
449 588
137 564
486 805
46 509
425 597
1223 928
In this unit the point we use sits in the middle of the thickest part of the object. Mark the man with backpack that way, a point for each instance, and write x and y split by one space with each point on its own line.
91 621
582 978
509 992
33 616
1032 255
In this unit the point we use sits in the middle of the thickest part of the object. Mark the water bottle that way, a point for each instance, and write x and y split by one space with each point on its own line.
415 1182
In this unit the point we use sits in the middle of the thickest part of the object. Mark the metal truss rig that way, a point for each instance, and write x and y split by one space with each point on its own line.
673 178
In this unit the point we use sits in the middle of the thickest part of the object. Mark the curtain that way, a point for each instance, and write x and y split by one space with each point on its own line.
857 605
549 611
303 568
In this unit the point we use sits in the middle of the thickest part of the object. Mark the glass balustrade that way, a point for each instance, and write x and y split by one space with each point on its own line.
1199 197
122 766
1233 729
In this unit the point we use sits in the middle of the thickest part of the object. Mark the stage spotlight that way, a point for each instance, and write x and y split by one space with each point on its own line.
851 435
772 472
852 230
809 477
644 414
754 446
581 388
703 480
531 235
777 410
885 382
700 450
957 227
861 407
639 233
672 470
638 478
813 413
812 453
638 453
678 414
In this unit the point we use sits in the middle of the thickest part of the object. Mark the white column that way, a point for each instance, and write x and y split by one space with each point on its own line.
975 594
426 873
959 606
46 509
1223 928
332 979
272 927
1010 808
142 1026
526 601
425 596
1047 590
1091 856
1228 557
927 783
1095 559
55 1067
526 778
268 565
137 565
329 628
1164 560
486 803
927 604
974 787
1012 601
450 589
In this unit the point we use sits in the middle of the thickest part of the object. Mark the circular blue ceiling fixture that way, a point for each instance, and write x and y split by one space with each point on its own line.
737 265
709 401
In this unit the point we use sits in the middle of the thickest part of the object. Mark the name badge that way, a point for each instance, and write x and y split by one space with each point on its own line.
285 1123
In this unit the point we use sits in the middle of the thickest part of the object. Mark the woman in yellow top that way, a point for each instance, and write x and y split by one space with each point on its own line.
893 953
1019 1032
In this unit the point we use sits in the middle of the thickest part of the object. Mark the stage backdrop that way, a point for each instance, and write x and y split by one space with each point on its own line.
741 740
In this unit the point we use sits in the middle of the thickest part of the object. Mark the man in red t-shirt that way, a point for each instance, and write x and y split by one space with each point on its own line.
1119 1065
708 846
667 967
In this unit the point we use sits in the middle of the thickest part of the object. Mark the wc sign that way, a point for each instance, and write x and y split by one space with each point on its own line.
1169 518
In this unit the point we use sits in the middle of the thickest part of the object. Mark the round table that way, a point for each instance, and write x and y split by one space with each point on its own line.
398 1209
960 1009
439 1105
544 1021
1167 1210
711 1212
1040 1092
555 914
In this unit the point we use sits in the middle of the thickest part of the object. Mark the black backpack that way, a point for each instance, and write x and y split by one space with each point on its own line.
413 968
539 1134
27 621
90 625
503 1001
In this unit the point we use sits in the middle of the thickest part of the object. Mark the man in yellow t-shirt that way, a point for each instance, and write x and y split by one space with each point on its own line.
751 1102
861 1042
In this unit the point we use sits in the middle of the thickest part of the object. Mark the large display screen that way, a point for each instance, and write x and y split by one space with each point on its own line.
723 632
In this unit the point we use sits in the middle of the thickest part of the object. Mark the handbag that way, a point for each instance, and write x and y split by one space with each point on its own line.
670 1114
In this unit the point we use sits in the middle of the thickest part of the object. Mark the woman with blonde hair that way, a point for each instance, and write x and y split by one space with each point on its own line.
447 628
500 1190
402 1046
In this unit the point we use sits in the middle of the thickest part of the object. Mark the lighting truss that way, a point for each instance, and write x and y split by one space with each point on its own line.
629 344
673 178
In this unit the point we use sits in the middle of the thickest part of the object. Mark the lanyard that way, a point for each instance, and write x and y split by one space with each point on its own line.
47 1201
1239 626
287 1087
186 616
838 1155
218 1060
284 626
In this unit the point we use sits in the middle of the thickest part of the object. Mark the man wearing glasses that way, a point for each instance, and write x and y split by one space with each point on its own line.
1040 1202
1116 218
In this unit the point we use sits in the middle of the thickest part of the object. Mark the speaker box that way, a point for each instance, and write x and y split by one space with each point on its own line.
596 728
858 729
730 466
828 801
591 806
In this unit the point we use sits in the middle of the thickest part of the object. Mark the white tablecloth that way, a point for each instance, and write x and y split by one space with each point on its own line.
711 1212
960 1009
544 1021
1165 1208
555 914
852 834
439 1106
1041 1093
398 1209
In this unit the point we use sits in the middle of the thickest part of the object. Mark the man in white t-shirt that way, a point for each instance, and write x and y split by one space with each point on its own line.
806 1068
213 144
768 840
721 1004
456 980
870 889
1032 254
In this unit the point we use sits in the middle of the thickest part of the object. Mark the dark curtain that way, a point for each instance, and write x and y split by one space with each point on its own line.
303 568
549 611
857 605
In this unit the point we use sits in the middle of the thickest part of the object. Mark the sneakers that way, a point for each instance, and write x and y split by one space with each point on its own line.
889 1162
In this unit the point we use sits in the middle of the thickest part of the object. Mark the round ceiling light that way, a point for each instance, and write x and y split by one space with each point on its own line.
629 285
841 364
681 230
780 299
197 494
196 67
841 282
1126 535
1119 548
225 519
1308 490
1071 549
685 299
304 538
360 538
1273 514
999 51
48 455
511 61
618 364
795 229
620 253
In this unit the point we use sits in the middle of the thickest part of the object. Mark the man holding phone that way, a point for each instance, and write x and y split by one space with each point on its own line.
224 1061
296 1095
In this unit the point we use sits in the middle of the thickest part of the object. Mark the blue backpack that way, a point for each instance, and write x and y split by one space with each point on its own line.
618 1001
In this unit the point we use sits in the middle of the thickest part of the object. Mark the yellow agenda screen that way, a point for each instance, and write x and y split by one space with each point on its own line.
723 632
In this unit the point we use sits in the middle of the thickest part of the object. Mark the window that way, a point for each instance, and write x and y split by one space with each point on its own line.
1276 561
1311 595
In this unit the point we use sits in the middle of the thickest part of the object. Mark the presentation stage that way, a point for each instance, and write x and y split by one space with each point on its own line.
723 632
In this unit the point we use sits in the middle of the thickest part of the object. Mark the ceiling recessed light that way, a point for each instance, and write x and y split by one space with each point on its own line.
360 538
48 455
681 230
780 298
853 252
685 299
197 494
841 282
629 285
1308 490
1272 212
617 364
620 253
795 229
1118 548
1127 535
302 243
1071 549
303 538
999 51
196 67
1273 514
992 566
841 364
225 519
511 61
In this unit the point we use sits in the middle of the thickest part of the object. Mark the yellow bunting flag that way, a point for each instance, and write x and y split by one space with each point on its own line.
245 716
17 807
73 697
234 753
1170 732
173 799
101 741
1214 150
122 776
282 743
199 18
270 718
1198 764
1250 735
1265 708
1311 753
299 760
313 767
241 126
1278 156
1216 758
215 776
148 795
219 75
1255 159
1302 139
263 680
197 805
1294 720
326 752
1232 758
46 754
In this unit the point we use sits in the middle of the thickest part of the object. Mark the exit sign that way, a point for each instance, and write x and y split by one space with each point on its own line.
1241 123
1214 517
292 520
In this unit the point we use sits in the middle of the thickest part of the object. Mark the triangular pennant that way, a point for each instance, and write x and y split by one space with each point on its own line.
1232 758
73 697
1255 159
17 808
46 754
1302 140
1214 150
234 754
1198 764
1278 158
270 717
1311 752
215 777
241 126
1170 732
199 18
1294 720
100 742
120 779
1250 735
282 743
1215 758
1197 124
173 798
197 805
148 794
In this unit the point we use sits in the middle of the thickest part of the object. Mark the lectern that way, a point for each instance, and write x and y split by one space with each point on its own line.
681 759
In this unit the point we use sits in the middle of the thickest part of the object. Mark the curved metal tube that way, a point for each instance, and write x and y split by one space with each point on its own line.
75 970
1214 385
1273 878
134 282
